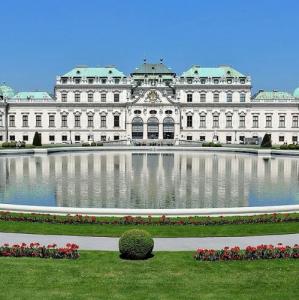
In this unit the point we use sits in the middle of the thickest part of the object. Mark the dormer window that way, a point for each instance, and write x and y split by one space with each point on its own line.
189 80
64 80
242 80
216 81
77 80
110 72
78 72
103 80
90 80
196 72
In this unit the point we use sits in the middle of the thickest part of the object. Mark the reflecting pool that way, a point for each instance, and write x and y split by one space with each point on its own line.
149 180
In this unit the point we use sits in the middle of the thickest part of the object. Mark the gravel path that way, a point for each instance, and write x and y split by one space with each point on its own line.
161 244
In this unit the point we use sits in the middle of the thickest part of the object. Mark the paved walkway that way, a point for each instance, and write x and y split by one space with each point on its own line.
161 244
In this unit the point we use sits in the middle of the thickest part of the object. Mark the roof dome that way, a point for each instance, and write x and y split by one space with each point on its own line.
6 91
296 92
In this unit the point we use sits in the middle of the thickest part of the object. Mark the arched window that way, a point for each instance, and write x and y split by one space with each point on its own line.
137 128
168 128
152 128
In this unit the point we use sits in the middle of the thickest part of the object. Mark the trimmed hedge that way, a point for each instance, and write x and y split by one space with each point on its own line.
289 147
136 244
211 144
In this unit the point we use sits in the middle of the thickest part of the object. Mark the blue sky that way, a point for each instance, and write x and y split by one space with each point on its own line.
42 39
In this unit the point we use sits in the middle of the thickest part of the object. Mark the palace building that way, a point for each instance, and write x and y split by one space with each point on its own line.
152 103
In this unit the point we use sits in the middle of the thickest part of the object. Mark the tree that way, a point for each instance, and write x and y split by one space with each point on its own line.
266 142
37 141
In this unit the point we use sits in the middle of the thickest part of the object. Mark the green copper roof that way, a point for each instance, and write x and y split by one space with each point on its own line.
274 95
156 69
94 72
6 91
221 71
32 96
296 93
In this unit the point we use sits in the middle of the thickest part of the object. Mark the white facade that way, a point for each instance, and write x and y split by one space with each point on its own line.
153 103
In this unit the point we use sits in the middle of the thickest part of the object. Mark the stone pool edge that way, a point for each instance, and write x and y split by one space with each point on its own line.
46 151
152 212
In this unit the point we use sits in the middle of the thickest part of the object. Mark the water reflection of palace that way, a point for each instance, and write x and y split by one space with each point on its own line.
149 180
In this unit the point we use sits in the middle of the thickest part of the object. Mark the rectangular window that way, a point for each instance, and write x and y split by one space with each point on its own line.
216 97
216 81
282 121
116 80
51 121
229 97
202 97
103 80
64 97
64 121
103 121
77 138
189 97
1 138
295 139
189 121
202 121
77 121
12 121
215 121
1 120
189 137
228 139
90 97
229 121
116 138
116 97
281 138
12 138
38 121
229 81
255 121
103 138
90 80
202 138
25 120
202 81
64 138
103 97
242 122
51 138
77 97
25 138
268 121
90 121
77 80
116 121
295 122
242 97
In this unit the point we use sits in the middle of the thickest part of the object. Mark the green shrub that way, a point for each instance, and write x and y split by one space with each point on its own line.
284 147
93 144
37 141
9 145
211 144
292 147
266 142
136 244
85 145
99 144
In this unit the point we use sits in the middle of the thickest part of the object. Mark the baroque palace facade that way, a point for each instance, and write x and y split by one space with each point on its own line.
153 103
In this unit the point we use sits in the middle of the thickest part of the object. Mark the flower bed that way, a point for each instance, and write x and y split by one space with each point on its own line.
249 253
70 251
163 220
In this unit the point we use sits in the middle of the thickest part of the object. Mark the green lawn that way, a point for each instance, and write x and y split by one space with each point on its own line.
155 230
176 275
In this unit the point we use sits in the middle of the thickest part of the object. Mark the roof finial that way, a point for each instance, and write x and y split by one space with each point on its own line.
144 60
161 60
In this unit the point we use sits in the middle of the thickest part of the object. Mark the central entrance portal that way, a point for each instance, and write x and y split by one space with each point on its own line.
152 128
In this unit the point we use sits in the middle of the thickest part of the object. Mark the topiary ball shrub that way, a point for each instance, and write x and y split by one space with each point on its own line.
136 244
